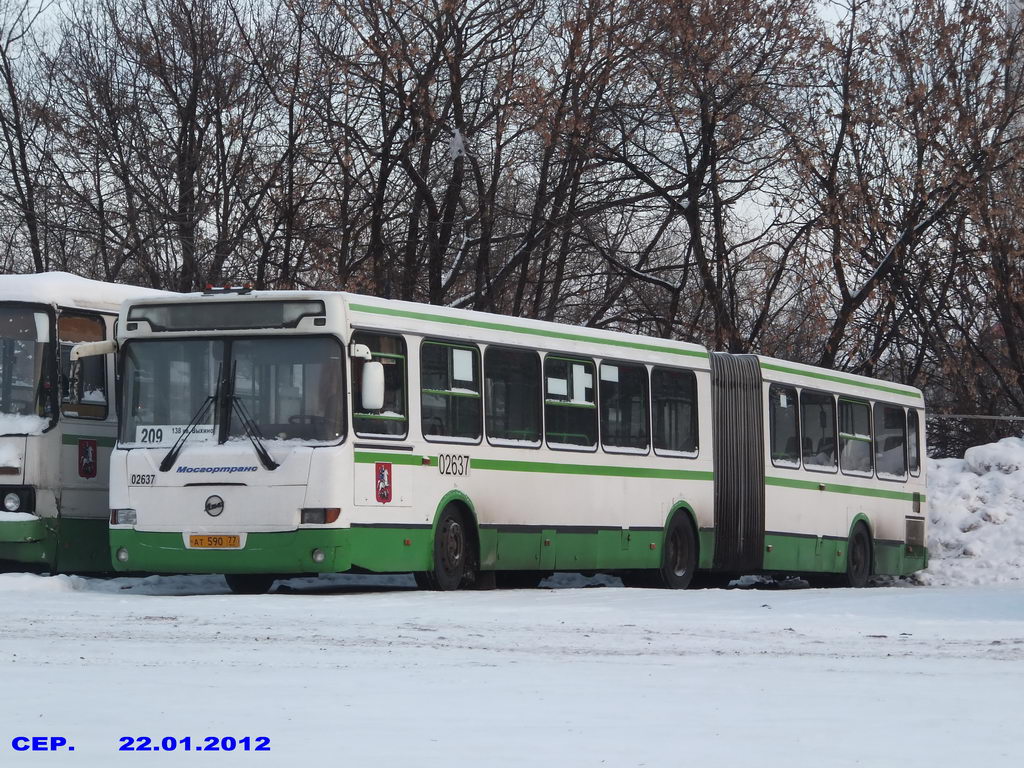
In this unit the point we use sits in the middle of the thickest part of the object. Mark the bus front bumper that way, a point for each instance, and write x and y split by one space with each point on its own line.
30 542
392 550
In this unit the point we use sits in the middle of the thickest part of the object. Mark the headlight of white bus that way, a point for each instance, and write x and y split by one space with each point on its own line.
122 517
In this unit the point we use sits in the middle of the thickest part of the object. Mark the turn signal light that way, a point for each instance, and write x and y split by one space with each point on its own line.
320 515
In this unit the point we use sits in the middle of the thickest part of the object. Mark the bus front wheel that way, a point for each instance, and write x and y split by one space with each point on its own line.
451 553
679 554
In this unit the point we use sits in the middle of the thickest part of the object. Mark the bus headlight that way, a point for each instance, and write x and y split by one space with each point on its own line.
122 555
123 517
319 556
12 502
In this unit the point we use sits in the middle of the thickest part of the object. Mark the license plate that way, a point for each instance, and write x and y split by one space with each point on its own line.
208 541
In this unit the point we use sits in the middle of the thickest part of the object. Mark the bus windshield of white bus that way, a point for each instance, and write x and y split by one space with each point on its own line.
291 388
26 370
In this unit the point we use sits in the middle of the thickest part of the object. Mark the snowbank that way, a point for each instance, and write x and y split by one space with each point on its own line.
30 582
10 456
976 516
16 517
11 424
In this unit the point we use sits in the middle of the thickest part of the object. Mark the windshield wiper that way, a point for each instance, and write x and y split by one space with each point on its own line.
252 430
204 408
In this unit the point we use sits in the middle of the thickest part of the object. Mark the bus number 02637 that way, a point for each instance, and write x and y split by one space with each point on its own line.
453 464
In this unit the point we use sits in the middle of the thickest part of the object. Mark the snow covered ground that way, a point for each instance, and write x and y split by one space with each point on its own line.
562 677
367 671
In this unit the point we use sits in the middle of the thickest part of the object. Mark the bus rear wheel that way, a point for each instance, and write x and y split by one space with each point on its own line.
451 553
679 554
249 583
858 558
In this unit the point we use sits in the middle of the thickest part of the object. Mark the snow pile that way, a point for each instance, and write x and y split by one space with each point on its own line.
30 582
10 456
976 516
11 424
16 517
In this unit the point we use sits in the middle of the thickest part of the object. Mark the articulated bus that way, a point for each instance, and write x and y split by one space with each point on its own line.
269 434
56 429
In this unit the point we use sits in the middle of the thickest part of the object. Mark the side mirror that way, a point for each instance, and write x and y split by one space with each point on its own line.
91 348
360 352
373 386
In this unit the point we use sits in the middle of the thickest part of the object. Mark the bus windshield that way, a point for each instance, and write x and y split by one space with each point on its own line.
290 388
26 370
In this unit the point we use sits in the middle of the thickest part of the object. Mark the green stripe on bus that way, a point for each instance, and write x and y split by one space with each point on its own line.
853 490
390 458
491 326
102 442
587 469
840 380
545 467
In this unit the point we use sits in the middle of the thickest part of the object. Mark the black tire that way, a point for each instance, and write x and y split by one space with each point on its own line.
518 579
679 554
249 583
452 558
858 558
423 580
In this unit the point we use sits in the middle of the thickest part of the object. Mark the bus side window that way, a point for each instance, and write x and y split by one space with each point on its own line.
570 404
854 437
818 429
512 384
674 394
450 392
784 426
914 442
393 419
624 412
890 442
89 401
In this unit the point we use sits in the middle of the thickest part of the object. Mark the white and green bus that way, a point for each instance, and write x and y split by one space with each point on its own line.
268 434
56 429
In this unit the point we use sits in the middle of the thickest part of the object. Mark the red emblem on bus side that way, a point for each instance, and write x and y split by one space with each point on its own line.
382 474
87 459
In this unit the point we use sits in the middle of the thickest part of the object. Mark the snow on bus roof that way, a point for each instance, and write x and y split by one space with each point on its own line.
71 291
774 369
485 320
418 313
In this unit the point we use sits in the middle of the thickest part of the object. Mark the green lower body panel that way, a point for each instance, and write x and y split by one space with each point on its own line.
82 546
279 553
706 537
822 554
893 558
29 544
384 549
56 544
555 550
808 554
